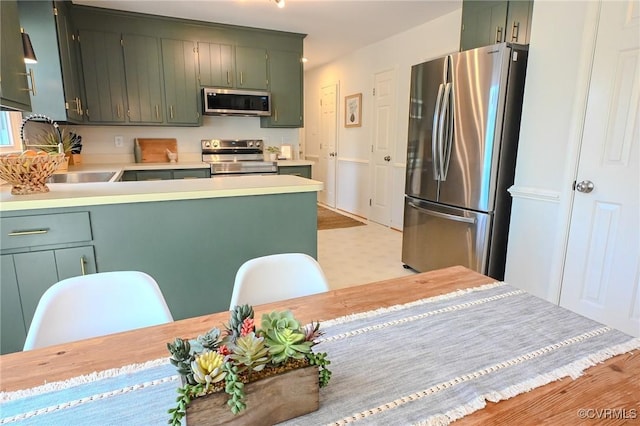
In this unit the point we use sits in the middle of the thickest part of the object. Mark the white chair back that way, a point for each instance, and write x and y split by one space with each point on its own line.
277 277
96 305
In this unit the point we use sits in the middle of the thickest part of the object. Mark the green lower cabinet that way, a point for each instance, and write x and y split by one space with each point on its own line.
303 171
192 174
190 248
139 175
12 330
29 275
187 246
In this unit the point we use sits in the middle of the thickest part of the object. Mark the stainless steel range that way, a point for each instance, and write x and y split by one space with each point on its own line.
236 156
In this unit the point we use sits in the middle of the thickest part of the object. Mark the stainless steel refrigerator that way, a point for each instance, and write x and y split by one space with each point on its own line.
464 123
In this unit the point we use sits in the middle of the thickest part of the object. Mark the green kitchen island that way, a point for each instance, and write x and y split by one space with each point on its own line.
191 236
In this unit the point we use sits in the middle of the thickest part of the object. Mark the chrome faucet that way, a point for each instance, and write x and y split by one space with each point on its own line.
40 118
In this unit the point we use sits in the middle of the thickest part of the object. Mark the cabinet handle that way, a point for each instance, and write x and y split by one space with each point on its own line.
498 34
515 31
79 106
83 262
171 111
118 112
276 115
157 111
241 78
31 89
228 77
28 232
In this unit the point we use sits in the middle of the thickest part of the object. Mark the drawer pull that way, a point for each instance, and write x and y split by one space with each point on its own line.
82 263
28 232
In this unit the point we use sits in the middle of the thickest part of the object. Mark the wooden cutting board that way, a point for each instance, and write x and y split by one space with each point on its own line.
155 150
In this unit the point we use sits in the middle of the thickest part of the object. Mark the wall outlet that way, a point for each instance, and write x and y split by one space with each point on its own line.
119 141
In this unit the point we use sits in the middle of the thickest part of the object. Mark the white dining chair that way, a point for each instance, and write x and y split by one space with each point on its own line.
96 305
277 277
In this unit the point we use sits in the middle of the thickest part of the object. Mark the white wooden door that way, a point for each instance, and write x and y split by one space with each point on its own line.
383 147
602 266
328 143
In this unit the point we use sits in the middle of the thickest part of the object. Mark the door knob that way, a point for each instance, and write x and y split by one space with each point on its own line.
387 158
585 186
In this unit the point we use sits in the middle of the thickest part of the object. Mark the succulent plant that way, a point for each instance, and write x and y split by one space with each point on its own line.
250 353
211 340
207 367
236 318
248 326
285 344
181 358
312 332
279 321
233 354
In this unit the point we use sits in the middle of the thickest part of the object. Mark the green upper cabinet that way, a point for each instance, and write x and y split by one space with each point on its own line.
123 83
14 89
180 82
251 68
215 64
285 84
55 44
143 78
489 22
519 21
69 62
104 76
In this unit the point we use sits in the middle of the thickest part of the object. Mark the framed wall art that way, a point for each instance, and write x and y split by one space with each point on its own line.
353 110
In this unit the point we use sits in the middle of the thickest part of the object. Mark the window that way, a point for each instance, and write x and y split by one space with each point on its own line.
10 131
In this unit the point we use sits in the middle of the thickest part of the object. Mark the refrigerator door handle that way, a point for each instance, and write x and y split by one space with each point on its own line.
470 220
434 134
444 133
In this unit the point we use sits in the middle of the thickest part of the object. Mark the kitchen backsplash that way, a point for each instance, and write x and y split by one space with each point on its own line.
99 142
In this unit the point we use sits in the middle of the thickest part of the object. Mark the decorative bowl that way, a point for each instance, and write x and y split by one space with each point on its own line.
27 172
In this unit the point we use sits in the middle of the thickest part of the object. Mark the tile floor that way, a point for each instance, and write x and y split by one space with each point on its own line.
361 254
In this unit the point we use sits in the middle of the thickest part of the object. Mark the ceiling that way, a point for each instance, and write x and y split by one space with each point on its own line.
334 28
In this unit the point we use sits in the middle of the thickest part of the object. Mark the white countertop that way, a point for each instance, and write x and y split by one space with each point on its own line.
88 194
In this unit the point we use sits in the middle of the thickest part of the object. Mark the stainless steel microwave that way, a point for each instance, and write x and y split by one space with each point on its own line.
218 101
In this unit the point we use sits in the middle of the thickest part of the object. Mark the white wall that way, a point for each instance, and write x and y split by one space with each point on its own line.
98 141
355 74
554 100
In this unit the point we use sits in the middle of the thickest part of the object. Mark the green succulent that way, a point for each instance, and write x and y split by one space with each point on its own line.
250 351
287 343
279 321
234 388
207 368
211 340
181 358
237 316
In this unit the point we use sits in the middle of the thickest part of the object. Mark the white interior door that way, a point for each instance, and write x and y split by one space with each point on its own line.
602 266
328 143
383 147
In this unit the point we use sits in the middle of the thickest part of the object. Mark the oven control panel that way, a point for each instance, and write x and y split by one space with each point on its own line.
231 145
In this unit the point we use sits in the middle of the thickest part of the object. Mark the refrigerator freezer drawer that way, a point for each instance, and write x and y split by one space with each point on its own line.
437 236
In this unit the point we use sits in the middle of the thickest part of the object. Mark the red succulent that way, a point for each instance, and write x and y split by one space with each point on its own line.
248 326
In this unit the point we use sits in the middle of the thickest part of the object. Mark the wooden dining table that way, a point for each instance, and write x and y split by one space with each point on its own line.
613 384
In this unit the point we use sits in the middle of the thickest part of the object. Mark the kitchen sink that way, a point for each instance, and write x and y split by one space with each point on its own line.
81 177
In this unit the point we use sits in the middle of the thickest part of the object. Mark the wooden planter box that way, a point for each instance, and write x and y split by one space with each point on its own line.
269 401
